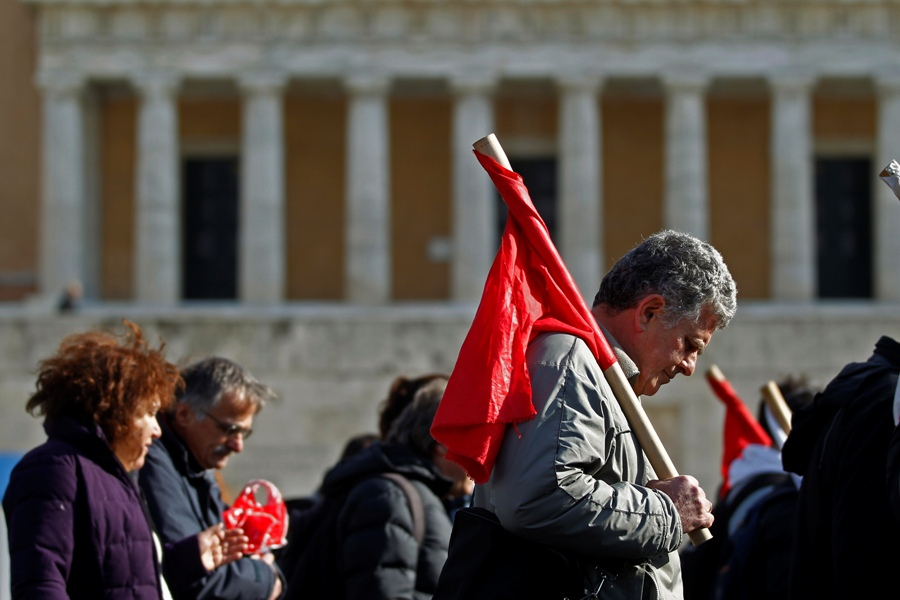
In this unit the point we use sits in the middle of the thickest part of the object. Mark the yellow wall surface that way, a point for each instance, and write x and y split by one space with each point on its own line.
526 116
632 172
19 152
845 118
209 119
421 196
315 137
118 116
739 189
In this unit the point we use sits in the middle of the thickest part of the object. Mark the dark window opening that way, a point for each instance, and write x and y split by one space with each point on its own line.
539 175
843 227
210 228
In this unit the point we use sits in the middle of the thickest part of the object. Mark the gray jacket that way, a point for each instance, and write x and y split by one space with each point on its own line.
573 476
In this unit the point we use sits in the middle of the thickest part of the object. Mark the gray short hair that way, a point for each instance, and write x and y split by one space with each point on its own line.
413 427
687 272
206 382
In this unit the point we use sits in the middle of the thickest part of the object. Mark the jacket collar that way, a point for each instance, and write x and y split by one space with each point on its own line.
182 458
89 439
628 366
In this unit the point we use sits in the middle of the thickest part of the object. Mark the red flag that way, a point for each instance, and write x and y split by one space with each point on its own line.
741 427
528 290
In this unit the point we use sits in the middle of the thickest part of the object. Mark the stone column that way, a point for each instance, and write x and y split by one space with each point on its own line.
580 206
474 205
157 273
792 215
687 181
261 234
885 209
63 183
368 221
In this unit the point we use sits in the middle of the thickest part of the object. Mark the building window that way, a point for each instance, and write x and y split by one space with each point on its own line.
539 175
843 227
210 227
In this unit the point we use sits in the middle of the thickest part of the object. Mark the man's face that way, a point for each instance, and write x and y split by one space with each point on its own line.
662 352
214 436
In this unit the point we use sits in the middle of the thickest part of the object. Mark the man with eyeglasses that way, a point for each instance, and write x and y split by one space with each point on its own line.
210 420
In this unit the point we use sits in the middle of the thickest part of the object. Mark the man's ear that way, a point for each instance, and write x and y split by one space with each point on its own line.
649 308
184 414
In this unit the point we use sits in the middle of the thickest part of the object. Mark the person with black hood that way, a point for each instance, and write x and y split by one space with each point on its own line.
369 542
839 444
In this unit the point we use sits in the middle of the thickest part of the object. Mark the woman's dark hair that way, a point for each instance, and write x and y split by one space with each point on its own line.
104 378
413 427
401 394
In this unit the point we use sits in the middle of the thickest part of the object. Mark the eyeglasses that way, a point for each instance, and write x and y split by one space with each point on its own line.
230 429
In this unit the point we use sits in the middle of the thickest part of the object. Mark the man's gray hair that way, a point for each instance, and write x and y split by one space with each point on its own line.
687 272
206 382
413 427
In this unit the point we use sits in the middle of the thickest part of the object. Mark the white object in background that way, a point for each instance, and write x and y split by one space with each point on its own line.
891 176
4 559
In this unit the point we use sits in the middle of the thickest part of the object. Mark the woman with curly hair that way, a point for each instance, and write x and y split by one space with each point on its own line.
77 526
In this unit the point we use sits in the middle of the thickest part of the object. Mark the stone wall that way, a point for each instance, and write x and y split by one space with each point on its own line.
331 365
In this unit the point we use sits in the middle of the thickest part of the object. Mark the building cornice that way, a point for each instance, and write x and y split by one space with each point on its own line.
518 38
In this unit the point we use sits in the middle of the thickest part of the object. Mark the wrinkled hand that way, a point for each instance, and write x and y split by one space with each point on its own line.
219 546
210 543
235 544
690 500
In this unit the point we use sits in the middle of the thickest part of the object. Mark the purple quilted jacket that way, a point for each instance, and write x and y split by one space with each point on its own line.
77 528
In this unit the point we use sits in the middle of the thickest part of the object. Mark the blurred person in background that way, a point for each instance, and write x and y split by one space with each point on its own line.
76 523
369 543
210 420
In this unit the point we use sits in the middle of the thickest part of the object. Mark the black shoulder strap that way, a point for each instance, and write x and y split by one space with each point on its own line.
415 504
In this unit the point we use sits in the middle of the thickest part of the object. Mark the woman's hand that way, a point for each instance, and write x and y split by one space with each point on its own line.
219 546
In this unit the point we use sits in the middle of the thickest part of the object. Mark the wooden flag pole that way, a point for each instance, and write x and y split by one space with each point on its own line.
778 405
631 406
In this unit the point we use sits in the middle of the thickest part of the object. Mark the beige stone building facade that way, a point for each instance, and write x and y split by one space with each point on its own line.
282 181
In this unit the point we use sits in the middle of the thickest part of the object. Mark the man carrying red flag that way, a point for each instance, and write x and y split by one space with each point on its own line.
554 455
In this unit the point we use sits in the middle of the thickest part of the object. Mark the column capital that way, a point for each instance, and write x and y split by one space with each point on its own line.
580 81
367 83
792 79
685 79
61 83
473 82
262 82
156 83
887 79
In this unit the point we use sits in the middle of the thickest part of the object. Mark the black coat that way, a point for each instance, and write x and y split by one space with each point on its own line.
75 522
844 541
184 500
378 557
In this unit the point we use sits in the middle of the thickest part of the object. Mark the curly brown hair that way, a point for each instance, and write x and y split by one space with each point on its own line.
104 378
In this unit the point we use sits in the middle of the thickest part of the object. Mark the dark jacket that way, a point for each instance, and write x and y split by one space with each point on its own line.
183 500
840 446
378 555
76 525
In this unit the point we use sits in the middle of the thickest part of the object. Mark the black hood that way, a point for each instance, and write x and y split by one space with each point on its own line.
384 458
856 383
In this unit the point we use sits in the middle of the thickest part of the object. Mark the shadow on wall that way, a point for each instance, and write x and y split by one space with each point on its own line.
7 461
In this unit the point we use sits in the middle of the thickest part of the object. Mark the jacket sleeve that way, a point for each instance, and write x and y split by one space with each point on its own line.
378 551
175 519
40 514
573 476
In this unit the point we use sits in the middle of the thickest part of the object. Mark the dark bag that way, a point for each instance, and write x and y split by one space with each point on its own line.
488 562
